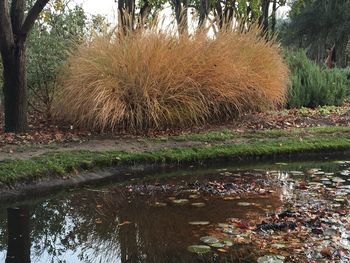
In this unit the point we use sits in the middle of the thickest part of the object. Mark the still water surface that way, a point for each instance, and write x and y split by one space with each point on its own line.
143 221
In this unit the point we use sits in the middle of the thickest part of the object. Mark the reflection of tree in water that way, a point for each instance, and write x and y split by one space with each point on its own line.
18 229
94 225
153 235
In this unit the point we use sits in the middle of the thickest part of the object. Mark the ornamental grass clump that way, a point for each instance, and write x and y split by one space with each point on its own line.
153 81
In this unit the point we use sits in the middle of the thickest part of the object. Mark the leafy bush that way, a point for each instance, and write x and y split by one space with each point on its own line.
311 85
53 35
151 80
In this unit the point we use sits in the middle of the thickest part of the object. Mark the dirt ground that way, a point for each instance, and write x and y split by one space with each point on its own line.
47 137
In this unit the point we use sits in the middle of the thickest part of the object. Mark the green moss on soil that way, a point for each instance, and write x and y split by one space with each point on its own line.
264 143
226 134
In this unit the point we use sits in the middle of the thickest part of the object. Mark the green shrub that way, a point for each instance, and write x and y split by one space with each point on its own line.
53 35
346 73
311 85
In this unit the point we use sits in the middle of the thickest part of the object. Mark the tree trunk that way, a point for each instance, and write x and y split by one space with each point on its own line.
126 13
14 29
203 12
144 12
229 12
219 14
273 19
18 250
15 92
181 9
264 18
340 51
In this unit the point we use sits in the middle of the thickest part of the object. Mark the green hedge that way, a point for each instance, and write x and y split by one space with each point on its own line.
312 85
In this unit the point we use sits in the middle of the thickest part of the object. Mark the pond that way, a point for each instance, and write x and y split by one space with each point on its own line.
272 212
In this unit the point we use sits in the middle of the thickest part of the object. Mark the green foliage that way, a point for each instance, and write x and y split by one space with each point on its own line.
54 34
312 86
345 72
318 24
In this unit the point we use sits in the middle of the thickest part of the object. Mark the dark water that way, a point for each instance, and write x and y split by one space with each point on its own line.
138 221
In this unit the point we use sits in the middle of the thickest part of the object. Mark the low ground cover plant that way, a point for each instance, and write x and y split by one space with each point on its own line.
312 85
153 80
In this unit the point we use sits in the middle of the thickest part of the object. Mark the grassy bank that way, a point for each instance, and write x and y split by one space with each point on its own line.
252 144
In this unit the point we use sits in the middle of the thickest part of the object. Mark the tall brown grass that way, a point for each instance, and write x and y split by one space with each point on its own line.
152 80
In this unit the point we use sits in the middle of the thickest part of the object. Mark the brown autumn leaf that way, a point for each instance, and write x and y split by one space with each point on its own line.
124 223
326 252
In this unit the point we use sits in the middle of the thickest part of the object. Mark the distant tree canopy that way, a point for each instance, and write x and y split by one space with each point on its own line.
317 25
136 14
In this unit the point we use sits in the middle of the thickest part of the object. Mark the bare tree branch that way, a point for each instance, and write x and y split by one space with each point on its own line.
32 16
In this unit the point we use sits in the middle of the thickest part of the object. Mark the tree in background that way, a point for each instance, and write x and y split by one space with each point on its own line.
135 14
15 26
317 25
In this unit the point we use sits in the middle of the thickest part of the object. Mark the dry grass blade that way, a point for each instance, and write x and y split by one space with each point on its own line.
149 80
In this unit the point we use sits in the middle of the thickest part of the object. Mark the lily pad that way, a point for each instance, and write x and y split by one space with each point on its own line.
296 172
324 179
224 225
198 204
284 164
180 201
340 162
199 223
159 204
200 249
244 204
229 231
209 240
319 173
345 173
338 180
227 243
271 259
230 198
278 245
217 245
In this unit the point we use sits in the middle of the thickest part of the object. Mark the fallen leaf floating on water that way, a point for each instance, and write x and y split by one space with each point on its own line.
311 226
276 226
271 259
98 221
326 252
199 249
209 240
199 223
124 223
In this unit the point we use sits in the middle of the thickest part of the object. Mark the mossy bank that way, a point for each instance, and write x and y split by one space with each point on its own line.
214 145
